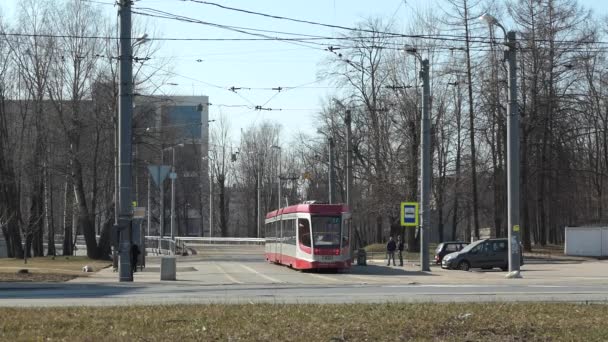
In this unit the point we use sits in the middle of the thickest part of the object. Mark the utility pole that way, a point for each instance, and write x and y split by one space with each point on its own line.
162 201
425 172
259 195
332 175
425 160
125 114
149 209
512 150
173 176
349 158
513 158
210 204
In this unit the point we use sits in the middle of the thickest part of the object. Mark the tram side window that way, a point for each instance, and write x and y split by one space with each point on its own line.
304 232
290 231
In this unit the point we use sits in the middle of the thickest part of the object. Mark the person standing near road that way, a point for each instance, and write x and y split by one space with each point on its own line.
400 249
134 257
390 250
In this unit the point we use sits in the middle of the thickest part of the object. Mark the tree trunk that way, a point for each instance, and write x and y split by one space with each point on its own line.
48 210
68 209
222 208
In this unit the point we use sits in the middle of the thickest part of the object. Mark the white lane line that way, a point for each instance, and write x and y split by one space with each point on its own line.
231 278
334 280
548 286
274 280
363 278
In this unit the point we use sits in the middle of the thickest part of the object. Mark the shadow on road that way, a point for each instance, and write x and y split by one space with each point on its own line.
385 271
63 290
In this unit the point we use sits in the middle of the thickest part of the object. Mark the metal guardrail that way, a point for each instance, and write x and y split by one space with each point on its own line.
164 246
220 240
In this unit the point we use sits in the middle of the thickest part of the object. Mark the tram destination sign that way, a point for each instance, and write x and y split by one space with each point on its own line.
409 214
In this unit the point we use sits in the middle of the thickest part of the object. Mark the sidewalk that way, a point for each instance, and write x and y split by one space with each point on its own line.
209 273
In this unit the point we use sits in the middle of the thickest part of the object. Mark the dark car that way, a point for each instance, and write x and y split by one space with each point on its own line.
485 254
446 248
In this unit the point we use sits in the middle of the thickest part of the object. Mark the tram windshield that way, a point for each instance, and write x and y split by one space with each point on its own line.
326 231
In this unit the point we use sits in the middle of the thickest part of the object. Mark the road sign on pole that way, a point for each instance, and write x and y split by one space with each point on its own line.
159 173
409 214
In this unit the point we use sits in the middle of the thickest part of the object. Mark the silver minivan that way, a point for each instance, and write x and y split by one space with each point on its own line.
485 254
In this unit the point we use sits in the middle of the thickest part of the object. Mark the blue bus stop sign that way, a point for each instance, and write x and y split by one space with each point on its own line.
409 214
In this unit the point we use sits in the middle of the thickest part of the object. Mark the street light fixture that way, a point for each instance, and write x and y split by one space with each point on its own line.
512 150
425 159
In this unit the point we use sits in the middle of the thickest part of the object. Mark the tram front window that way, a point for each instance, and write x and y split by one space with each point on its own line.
326 231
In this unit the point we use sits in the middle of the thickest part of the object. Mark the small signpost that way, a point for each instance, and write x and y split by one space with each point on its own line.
159 173
409 214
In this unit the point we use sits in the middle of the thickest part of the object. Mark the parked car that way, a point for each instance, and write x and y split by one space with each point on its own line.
485 254
446 248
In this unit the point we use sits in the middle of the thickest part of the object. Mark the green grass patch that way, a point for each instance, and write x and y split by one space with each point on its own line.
48 268
349 322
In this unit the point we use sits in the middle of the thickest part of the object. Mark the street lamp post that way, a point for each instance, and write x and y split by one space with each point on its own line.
512 150
425 160
349 158
173 177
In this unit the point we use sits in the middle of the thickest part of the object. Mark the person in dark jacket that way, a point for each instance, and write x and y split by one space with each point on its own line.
390 251
134 257
400 249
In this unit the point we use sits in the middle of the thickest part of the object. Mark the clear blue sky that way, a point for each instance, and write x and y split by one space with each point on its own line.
260 64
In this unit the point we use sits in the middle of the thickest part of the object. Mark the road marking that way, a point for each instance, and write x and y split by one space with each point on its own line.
439 285
260 274
549 286
231 278
324 277
374 279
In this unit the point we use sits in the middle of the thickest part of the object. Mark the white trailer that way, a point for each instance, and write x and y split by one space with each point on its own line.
586 241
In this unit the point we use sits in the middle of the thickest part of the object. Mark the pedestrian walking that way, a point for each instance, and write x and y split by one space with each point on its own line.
390 251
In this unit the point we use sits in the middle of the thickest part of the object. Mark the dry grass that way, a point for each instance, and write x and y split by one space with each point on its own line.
58 268
351 322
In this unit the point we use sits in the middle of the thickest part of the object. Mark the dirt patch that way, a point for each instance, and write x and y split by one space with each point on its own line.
36 277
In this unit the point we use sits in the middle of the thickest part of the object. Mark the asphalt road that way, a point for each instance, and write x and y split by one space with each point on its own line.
239 274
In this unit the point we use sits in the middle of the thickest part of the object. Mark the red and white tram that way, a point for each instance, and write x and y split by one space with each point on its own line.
309 236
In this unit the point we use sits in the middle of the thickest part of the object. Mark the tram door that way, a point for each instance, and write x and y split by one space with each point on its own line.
277 239
281 240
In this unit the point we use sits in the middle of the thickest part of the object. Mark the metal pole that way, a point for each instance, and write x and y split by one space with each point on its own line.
259 195
279 161
349 158
513 158
425 170
173 194
125 114
149 209
211 204
332 176
162 202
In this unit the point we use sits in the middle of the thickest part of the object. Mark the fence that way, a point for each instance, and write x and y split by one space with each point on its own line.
220 240
165 246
